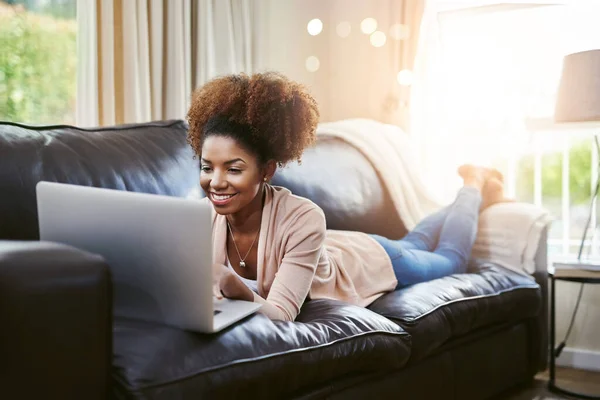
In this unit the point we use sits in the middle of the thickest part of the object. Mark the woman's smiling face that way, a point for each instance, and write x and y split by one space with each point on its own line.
230 175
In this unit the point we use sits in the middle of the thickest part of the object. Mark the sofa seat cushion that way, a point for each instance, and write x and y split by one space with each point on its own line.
265 358
437 311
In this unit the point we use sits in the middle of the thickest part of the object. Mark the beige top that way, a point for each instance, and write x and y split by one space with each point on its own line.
298 257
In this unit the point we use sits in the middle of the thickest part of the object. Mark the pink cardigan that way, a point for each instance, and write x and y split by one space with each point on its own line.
297 257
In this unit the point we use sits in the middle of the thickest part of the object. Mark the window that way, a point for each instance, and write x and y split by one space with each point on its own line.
499 68
38 61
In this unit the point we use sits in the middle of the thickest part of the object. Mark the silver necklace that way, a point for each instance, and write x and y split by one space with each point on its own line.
242 260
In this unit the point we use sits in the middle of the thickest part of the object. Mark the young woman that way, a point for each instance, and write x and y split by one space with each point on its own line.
272 247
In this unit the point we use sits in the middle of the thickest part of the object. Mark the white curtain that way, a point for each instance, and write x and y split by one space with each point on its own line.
140 60
411 17
472 92
424 103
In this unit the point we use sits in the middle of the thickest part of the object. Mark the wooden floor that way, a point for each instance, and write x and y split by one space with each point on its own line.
587 382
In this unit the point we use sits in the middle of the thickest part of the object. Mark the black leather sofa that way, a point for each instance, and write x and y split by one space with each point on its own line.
469 336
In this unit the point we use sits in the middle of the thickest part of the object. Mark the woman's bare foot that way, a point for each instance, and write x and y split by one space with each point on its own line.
493 193
474 176
464 169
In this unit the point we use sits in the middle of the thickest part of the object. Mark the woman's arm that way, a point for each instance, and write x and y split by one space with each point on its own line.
304 243
227 284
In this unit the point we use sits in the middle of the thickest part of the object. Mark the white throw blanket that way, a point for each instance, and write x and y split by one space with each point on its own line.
508 233
389 150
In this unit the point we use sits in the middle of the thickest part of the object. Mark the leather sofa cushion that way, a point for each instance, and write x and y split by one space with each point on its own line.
348 190
265 358
437 311
150 157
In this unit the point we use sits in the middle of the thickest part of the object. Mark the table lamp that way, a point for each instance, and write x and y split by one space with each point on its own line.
578 100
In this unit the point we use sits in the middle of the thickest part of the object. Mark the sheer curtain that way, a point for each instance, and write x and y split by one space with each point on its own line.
410 15
480 73
141 59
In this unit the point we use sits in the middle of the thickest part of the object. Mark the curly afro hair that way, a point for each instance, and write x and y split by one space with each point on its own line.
267 113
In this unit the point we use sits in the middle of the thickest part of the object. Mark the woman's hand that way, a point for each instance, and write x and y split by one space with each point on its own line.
227 284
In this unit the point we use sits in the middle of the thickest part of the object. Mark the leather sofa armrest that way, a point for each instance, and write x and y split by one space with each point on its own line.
515 236
56 319
511 235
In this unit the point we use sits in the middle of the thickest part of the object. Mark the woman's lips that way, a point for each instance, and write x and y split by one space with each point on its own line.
221 199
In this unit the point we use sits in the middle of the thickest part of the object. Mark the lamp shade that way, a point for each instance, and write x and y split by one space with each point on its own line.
578 98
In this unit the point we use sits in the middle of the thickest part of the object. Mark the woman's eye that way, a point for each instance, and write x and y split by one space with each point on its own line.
205 169
235 170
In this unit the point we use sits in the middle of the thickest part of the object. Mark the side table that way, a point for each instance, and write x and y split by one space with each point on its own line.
571 272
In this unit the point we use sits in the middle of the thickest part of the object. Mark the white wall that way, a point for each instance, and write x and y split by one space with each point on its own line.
585 335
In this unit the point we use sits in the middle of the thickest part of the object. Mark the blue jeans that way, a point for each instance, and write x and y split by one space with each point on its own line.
439 245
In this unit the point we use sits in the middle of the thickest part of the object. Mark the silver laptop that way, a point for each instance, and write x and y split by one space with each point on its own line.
158 248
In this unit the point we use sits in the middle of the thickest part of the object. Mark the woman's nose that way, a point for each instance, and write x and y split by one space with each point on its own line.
218 181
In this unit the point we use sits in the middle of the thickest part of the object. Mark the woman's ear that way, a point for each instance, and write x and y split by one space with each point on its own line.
269 170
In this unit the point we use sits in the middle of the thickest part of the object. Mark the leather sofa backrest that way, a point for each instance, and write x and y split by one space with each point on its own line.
155 158
151 158
340 180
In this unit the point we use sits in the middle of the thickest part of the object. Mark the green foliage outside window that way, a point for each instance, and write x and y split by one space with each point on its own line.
38 60
580 167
